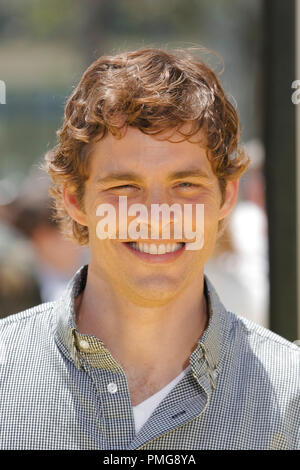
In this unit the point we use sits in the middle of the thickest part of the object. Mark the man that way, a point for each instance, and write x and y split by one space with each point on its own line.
139 352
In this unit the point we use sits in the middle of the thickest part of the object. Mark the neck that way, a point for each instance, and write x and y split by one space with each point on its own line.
139 337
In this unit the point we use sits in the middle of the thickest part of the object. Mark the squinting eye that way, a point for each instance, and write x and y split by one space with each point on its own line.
124 186
186 185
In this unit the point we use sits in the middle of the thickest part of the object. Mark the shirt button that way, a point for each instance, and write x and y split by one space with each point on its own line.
112 387
84 344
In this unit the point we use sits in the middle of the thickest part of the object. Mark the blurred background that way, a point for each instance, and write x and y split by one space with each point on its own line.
45 45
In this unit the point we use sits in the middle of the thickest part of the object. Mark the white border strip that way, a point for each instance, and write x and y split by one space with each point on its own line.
297 18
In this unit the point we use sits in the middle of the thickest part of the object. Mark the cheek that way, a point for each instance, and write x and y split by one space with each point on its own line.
92 203
211 213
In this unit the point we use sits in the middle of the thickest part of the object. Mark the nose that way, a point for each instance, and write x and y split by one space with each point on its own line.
155 195
159 216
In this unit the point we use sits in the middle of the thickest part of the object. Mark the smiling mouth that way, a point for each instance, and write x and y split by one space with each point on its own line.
156 252
155 249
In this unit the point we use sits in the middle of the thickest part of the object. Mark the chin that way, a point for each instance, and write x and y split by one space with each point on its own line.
155 292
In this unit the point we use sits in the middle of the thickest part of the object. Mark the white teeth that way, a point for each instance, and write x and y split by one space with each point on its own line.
154 249
161 250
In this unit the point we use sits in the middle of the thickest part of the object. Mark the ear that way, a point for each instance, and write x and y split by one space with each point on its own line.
231 193
72 207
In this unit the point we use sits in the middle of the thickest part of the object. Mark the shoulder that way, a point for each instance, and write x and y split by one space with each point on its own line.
259 352
246 337
30 314
262 338
27 338
26 325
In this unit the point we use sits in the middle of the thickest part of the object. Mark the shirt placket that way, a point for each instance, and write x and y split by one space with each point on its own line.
167 422
116 420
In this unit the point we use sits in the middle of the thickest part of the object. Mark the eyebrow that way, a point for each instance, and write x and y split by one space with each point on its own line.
188 174
117 177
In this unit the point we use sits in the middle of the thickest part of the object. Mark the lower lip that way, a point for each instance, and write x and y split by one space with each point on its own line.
165 258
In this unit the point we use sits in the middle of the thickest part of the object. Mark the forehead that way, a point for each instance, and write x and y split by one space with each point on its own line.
148 154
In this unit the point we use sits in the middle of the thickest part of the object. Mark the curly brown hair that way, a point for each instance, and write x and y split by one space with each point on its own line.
152 90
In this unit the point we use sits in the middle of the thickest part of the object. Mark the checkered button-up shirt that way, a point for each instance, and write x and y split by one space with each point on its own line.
61 389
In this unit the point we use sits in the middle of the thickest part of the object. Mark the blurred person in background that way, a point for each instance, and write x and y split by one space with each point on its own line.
18 284
19 288
44 260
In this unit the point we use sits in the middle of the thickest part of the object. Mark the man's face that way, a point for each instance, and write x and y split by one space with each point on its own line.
150 171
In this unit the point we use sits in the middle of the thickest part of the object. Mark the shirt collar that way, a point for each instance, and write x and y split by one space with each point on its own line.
205 360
